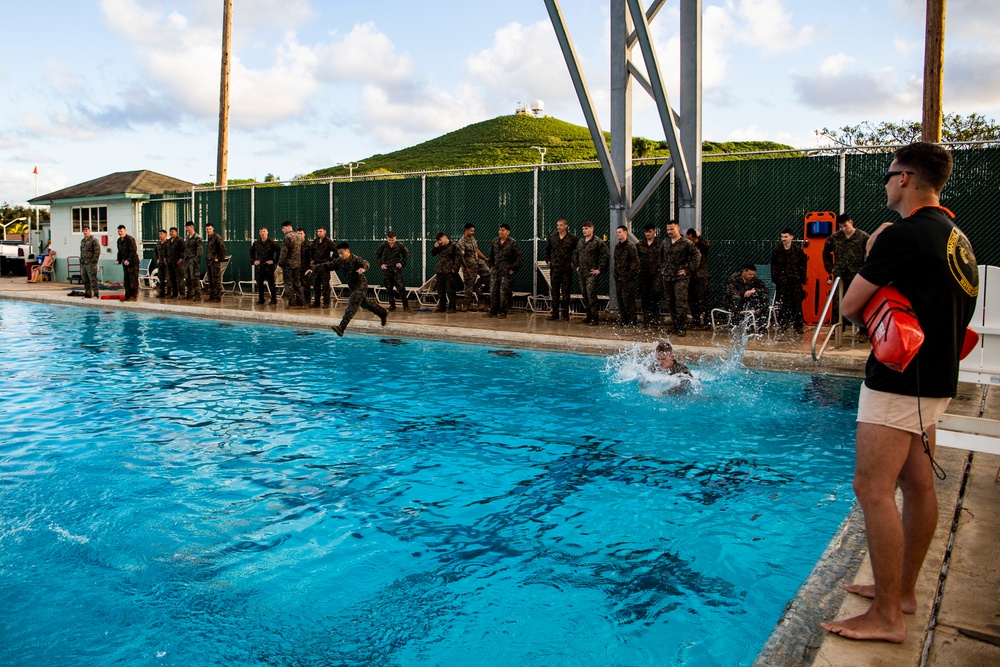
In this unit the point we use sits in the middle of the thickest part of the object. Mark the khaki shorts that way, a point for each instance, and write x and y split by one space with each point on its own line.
898 411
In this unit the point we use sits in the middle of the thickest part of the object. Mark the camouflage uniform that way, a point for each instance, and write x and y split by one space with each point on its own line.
676 256
90 254
162 260
788 273
264 252
650 279
358 284
128 251
757 302
506 260
192 266
214 257
626 270
175 266
559 255
698 289
290 261
589 255
474 269
449 263
842 257
392 275
321 252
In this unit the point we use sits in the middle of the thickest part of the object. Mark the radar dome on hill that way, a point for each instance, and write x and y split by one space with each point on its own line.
536 109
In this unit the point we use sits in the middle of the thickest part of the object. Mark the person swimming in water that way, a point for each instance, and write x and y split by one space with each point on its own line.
666 364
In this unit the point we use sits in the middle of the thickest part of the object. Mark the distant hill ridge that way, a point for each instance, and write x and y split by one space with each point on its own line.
508 140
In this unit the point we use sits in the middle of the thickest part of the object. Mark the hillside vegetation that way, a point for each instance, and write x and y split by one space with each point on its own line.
508 140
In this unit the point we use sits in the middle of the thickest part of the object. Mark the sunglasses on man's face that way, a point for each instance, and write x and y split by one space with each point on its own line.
890 174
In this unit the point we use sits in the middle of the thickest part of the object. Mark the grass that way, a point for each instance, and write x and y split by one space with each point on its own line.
508 140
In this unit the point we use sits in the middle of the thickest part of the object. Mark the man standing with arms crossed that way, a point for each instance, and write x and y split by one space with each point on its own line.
679 258
90 255
591 259
559 255
175 265
214 256
322 250
128 257
391 256
264 255
626 270
930 261
192 262
162 260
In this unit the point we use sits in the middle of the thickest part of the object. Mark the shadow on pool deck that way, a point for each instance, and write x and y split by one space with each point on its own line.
962 629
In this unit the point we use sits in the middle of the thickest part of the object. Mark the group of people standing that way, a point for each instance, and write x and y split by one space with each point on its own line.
674 268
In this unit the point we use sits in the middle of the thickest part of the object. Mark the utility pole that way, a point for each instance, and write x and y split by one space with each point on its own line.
933 71
221 176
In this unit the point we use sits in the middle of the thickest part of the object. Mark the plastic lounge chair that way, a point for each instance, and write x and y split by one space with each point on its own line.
147 279
426 294
74 271
543 302
228 286
982 366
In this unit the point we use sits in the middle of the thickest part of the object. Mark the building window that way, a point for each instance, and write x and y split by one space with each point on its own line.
95 217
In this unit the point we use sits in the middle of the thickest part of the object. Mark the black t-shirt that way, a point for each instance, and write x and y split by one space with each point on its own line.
930 261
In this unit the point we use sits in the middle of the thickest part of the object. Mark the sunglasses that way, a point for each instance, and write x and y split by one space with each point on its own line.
890 174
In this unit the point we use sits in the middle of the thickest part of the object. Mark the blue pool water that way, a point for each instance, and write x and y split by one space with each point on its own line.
184 492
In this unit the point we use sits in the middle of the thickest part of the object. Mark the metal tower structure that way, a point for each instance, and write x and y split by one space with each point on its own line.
630 26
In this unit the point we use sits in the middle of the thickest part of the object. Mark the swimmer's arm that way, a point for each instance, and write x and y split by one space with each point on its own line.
858 295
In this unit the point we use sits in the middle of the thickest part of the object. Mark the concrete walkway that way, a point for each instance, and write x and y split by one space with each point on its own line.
958 622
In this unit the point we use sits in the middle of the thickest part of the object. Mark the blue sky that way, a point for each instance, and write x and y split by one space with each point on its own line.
92 87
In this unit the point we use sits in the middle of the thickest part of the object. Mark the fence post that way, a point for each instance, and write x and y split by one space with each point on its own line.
673 194
332 236
534 244
843 181
193 209
423 227
253 213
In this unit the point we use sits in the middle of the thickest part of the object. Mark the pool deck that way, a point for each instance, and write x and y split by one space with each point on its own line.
958 621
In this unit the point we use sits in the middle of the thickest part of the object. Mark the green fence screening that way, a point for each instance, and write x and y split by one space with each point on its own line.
746 203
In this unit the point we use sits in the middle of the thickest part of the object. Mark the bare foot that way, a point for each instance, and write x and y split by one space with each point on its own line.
868 591
868 626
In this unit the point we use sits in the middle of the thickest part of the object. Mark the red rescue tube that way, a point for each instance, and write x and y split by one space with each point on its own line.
893 328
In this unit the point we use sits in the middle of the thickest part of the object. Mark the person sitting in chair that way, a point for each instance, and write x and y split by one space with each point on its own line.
45 268
745 291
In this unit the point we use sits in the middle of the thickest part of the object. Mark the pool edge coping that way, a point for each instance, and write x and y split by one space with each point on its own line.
753 359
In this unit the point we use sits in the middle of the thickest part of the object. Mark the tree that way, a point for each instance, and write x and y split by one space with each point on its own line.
954 128
8 213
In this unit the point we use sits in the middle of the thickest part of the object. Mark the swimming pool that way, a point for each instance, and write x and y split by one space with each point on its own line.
184 492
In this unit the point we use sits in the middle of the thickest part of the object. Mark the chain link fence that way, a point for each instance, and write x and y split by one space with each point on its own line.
747 200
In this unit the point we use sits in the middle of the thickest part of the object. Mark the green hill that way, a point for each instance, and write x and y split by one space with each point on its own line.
508 140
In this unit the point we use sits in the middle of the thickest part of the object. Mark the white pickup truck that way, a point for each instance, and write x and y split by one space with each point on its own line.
13 255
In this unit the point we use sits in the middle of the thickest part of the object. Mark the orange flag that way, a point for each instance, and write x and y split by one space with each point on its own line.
36 170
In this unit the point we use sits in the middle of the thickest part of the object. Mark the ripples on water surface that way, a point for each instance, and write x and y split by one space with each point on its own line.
180 492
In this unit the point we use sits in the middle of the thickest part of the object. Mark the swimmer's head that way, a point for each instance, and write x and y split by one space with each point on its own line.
665 353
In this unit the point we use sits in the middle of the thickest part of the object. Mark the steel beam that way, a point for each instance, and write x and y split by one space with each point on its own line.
647 193
586 104
689 213
660 95
651 13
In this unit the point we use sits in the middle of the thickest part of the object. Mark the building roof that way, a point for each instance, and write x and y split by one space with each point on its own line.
142 182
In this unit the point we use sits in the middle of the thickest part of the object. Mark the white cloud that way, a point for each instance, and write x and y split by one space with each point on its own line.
765 24
835 87
904 47
365 54
418 113
523 63
972 80
183 60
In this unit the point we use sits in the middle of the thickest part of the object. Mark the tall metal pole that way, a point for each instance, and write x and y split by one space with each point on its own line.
621 126
222 166
933 71
690 126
